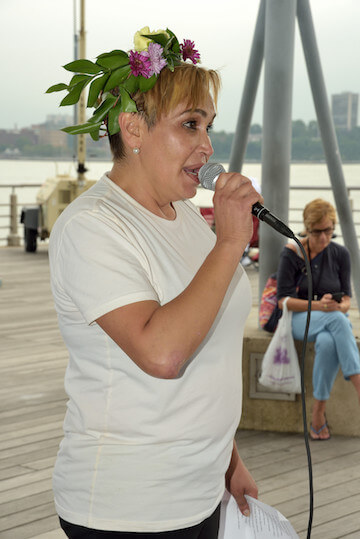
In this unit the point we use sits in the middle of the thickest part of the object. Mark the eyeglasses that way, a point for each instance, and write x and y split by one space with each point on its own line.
317 231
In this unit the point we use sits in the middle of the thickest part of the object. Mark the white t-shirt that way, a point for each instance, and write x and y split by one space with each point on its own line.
140 453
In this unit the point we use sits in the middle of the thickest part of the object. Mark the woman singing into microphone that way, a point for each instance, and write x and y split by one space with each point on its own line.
152 307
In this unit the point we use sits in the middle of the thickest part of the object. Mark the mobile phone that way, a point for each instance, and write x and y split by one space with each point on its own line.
337 296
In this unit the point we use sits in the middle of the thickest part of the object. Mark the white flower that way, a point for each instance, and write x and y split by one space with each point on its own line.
141 43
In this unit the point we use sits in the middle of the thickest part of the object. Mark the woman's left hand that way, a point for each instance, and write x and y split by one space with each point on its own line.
240 482
328 304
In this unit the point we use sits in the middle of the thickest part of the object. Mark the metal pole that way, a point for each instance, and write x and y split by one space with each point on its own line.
329 140
276 145
76 57
240 139
82 106
13 239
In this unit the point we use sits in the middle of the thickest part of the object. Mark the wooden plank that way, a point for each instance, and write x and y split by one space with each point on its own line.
53 407
15 506
343 512
300 489
23 517
54 534
28 490
12 471
33 529
48 450
31 422
322 498
25 479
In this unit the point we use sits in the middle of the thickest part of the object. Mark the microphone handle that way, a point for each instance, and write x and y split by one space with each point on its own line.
208 176
263 214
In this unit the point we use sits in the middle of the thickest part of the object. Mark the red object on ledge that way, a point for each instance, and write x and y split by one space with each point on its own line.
208 214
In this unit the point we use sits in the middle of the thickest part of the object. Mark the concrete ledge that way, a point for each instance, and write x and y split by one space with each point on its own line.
264 411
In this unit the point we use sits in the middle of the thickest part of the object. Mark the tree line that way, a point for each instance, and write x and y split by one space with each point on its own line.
306 144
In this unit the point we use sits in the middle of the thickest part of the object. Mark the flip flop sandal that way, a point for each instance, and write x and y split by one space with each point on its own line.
318 432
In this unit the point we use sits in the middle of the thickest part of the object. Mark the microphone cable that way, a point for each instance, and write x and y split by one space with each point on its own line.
208 175
302 371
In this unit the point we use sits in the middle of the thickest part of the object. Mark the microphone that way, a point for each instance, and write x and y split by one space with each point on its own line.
208 175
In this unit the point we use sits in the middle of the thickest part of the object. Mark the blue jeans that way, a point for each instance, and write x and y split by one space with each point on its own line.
335 347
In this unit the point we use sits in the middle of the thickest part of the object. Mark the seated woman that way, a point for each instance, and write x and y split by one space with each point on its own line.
330 328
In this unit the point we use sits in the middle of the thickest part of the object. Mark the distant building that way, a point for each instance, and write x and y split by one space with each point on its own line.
48 136
11 138
57 121
345 110
49 132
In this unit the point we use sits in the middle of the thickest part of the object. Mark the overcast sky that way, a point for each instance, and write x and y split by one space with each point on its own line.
37 38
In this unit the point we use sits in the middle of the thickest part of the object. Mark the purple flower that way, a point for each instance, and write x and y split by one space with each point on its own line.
140 64
156 58
188 51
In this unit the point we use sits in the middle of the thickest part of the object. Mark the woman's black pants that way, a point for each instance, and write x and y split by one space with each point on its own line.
208 529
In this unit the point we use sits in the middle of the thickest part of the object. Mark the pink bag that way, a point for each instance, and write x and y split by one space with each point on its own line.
269 312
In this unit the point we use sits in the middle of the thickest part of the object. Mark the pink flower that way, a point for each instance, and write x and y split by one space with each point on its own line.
157 60
140 64
188 51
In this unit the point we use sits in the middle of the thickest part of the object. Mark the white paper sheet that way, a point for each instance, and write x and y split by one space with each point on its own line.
264 522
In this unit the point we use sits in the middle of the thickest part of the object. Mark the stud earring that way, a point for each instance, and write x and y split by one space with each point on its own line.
136 151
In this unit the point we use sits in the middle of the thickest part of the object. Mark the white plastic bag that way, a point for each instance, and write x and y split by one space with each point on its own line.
280 366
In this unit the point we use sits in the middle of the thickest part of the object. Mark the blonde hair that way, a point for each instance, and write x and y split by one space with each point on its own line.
316 210
188 84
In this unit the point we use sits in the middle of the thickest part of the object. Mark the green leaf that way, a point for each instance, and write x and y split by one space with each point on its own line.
87 127
147 84
117 77
74 93
103 109
171 34
173 60
83 66
173 42
95 135
170 62
57 88
161 39
131 84
95 88
113 119
113 61
176 47
73 96
127 104
79 78
115 52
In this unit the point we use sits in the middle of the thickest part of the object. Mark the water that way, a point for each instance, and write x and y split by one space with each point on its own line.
18 172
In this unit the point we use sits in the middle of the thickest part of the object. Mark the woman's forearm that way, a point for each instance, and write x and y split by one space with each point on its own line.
178 327
162 338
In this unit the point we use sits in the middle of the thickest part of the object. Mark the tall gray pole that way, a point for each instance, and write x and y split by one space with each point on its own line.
249 94
276 146
329 140
82 102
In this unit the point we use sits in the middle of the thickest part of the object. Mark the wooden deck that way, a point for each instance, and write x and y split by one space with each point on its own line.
32 406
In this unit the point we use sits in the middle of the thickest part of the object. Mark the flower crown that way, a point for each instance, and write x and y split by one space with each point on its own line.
117 75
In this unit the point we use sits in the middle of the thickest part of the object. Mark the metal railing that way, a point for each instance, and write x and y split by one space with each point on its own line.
11 231
10 219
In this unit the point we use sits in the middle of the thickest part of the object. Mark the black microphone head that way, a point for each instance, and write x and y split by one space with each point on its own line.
208 174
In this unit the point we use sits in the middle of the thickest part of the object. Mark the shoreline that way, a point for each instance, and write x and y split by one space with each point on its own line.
105 159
